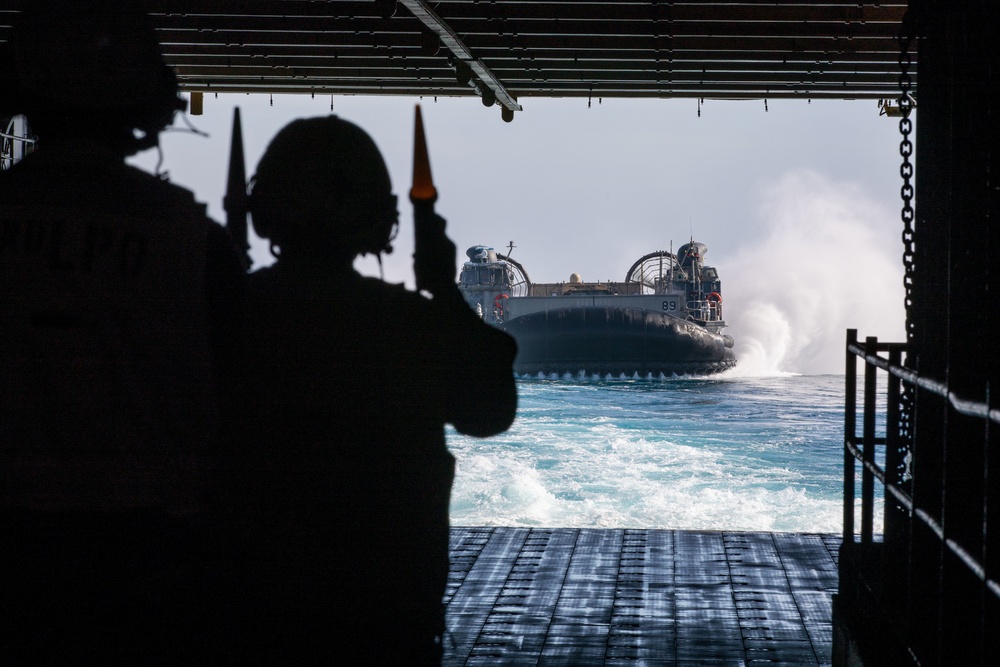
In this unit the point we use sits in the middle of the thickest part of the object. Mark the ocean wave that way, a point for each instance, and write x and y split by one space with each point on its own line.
751 454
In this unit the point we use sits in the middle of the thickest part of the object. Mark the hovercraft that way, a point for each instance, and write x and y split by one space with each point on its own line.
664 319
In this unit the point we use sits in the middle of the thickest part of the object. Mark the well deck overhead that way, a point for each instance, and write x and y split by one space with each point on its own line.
505 50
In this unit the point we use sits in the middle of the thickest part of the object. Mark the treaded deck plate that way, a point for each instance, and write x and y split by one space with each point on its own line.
581 597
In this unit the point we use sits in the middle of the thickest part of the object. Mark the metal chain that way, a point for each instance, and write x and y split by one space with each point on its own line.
906 168
906 37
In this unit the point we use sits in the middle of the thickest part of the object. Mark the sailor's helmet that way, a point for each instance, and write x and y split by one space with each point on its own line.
323 181
97 59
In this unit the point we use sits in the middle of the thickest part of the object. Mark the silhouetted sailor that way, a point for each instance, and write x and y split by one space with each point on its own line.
347 478
114 301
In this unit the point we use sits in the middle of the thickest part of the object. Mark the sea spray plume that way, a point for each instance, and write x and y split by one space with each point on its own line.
828 261
768 338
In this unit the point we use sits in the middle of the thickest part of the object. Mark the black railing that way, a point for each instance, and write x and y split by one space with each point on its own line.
929 568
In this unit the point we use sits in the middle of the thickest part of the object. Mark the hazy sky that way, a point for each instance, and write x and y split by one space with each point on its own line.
798 202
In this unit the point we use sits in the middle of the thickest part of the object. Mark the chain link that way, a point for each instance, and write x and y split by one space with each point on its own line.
906 168
906 38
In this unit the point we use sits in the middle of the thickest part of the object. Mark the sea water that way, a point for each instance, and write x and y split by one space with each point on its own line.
756 448
715 453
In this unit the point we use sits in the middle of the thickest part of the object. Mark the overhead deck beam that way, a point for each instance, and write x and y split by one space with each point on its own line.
454 43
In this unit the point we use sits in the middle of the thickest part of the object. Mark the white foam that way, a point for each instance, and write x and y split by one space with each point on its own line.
597 471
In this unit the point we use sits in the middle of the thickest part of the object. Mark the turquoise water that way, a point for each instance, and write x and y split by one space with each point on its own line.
686 453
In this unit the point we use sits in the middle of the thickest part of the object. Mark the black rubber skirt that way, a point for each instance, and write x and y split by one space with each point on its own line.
615 341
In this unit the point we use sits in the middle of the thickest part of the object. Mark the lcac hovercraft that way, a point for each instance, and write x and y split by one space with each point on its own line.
664 319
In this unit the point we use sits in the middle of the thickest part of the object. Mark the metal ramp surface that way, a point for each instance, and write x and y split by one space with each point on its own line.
581 597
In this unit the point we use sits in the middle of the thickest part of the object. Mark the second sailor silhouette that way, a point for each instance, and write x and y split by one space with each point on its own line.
340 480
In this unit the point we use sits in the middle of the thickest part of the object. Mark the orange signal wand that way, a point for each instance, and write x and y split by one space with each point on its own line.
428 228
423 189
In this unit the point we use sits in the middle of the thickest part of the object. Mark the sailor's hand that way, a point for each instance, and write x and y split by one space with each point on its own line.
434 256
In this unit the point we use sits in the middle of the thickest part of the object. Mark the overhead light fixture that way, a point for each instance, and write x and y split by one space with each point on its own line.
463 73
430 43
891 108
197 103
385 8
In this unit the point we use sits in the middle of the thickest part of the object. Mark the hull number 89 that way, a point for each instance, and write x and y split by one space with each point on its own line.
669 305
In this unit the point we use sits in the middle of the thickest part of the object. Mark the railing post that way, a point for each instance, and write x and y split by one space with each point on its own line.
894 461
850 428
991 541
868 445
895 518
